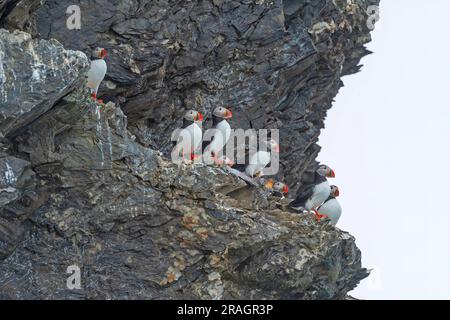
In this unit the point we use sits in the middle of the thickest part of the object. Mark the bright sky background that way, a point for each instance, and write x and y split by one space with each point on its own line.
387 137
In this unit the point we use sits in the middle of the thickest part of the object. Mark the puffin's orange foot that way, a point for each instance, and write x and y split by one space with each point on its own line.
194 156
319 216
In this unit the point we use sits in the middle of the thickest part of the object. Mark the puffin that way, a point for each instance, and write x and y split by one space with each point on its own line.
222 133
260 159
189 138
97 72
279 189
330 208
312 195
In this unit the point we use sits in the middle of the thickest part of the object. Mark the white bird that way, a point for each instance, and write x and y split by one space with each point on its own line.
260 159
189 139
222 133
312 195
97 72
330 208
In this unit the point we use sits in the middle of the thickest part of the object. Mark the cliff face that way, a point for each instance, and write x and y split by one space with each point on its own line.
90 186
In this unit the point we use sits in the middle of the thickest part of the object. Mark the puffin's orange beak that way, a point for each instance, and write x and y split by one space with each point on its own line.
336 194
228 114
285 189
199 117
331 174
103 54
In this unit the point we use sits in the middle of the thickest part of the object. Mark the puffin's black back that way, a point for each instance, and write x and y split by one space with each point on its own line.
216 121
306 191
278 194
243 166
186 123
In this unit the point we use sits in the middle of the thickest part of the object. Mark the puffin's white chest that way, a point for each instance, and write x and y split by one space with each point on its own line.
221 136
192 137
187 141
96 73
321 193
257 162
332 209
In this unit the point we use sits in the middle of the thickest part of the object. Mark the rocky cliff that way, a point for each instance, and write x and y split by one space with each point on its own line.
92 186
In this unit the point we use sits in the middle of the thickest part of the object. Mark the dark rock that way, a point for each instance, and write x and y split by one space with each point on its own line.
93 191
276 63
11 170
34 74
10 236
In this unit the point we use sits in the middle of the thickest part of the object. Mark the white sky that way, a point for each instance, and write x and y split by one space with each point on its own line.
387 137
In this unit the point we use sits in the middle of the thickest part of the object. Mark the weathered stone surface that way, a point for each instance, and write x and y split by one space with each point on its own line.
92 188
164 241
10 235
34 74
277 64
11 170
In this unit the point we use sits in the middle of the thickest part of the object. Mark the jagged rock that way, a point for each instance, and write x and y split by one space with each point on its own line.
260 58
95 192
11 170
135 240
10 236
34 74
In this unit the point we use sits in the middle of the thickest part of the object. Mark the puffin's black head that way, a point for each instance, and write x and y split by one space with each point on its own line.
334 191
99 53
193 116
222 112
325 171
